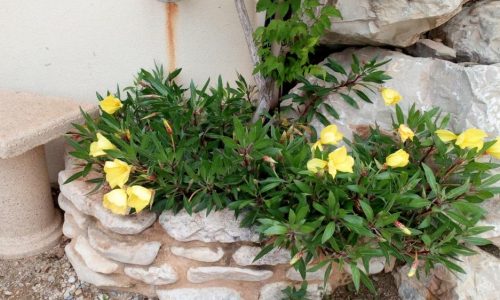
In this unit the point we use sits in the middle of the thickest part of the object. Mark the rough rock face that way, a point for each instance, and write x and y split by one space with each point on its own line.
213 293
245 255
474 33
479 282
439 284
178 257
218 226
465 92
391 22
430 48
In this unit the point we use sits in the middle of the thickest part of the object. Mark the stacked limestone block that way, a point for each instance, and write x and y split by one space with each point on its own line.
174 256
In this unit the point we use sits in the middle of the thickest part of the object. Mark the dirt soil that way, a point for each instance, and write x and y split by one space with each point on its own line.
384 283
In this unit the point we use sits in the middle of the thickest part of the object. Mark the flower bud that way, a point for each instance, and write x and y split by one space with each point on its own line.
414 266
402 227
167 126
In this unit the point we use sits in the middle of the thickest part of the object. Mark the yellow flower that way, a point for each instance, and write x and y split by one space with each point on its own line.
330 135
97 148
494 150
405 132
391 96
338 160
471 138
398 159
317 145
110 104
116 201
446 135
117 173
139 197
316 165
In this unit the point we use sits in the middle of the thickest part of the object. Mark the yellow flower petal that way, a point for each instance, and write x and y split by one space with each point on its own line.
116 201
317 145
446 135
471 138
330 135
391 96
110 104
405 133
494 150
117 173
331 169
97 148
139 197
340 160
316 165
398 159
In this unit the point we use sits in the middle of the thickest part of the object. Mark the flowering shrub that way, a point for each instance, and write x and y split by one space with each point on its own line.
412 193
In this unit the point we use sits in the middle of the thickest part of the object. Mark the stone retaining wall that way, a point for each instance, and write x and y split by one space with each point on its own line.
174 256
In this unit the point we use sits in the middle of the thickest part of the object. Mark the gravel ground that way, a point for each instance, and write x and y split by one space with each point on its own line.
49 276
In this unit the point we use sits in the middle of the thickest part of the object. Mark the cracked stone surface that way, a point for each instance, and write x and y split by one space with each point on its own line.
137 253
218 226
204 274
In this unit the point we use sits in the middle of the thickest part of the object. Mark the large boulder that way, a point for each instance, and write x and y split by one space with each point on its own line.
390 22
474 33
479 281
468 93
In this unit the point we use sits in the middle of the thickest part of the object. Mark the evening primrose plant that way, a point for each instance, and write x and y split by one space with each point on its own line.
412 192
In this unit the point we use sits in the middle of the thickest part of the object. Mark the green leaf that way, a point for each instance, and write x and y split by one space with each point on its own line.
356 277
367 209
431 179
276 230
349 100
328 233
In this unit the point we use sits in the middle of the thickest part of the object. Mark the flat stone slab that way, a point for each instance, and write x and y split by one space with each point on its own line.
30 120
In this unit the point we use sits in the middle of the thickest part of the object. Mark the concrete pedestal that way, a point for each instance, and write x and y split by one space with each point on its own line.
29 223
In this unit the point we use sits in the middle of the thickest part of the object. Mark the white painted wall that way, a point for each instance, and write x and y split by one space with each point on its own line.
74 48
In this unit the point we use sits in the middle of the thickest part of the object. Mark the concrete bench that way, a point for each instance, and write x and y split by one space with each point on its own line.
29 223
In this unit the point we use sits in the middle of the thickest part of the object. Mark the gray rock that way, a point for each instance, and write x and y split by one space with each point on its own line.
273 291
479 281
123 249
70 229
91 204
93 260
155 275
376 265
465 92
390 22
218 226
204 274
439 284
492 206
474 33
430 48
292 274
212 293
245 255
481 278
204 254
89 276
80 219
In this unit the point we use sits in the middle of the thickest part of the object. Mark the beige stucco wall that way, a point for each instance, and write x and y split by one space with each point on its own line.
75 48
